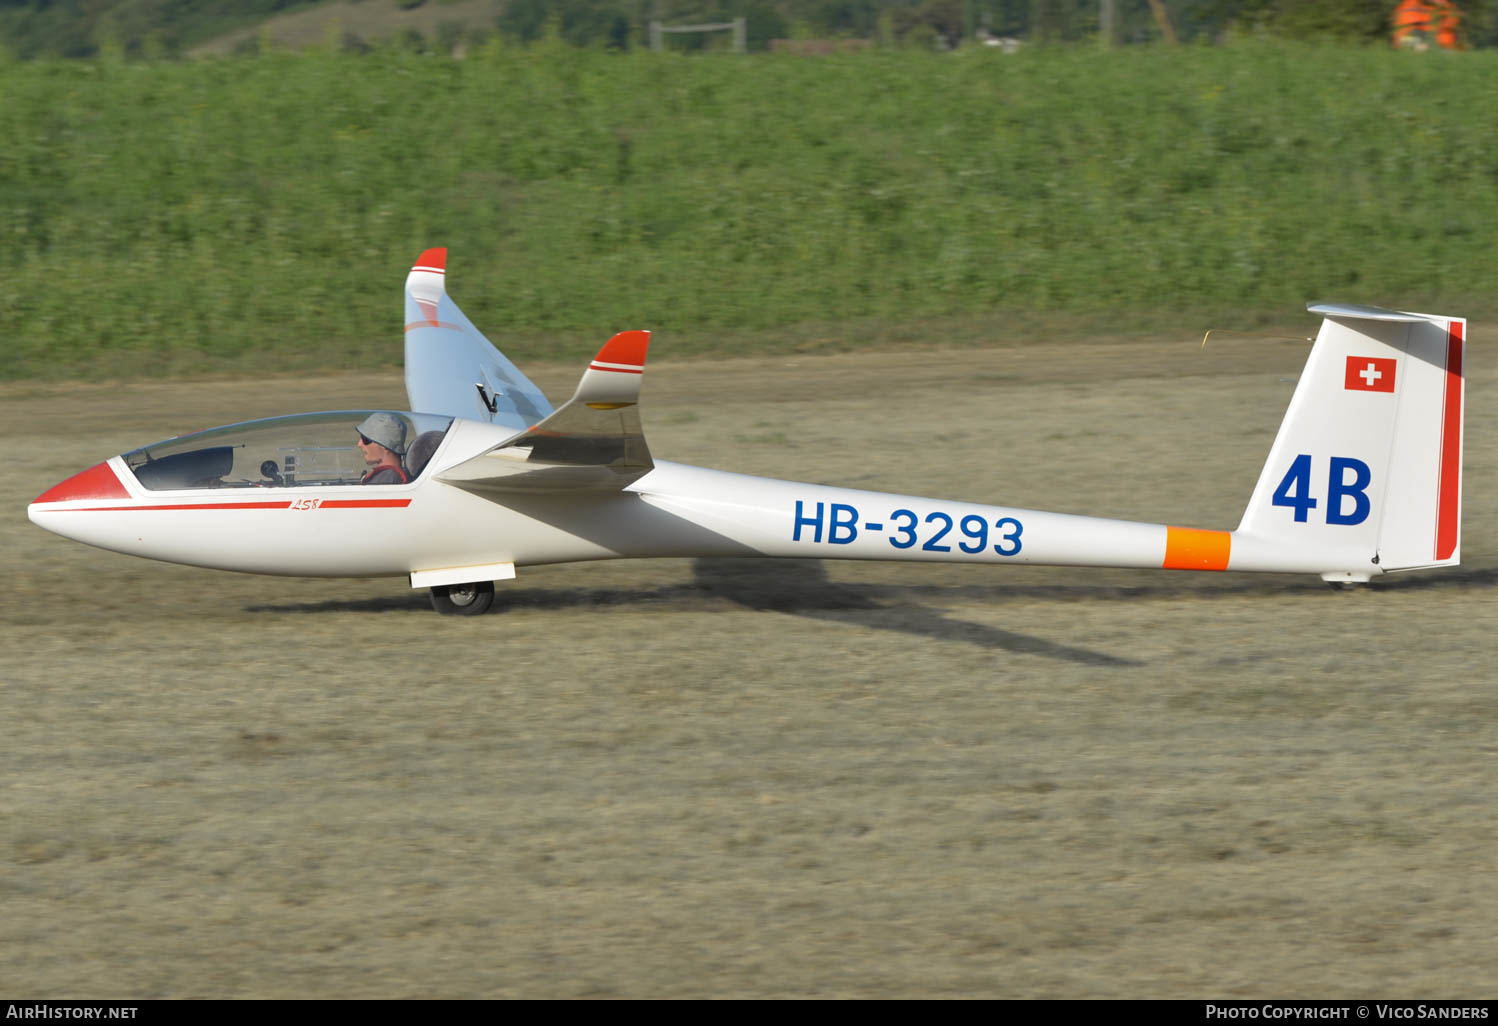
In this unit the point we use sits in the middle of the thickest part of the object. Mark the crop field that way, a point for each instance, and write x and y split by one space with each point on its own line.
763 779
251 215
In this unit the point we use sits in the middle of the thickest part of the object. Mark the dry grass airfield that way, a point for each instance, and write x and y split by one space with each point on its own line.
678 779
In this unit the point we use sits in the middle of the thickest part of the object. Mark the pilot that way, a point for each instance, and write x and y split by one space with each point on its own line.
382 440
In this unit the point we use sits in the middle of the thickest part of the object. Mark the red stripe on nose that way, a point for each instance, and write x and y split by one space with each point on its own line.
94 483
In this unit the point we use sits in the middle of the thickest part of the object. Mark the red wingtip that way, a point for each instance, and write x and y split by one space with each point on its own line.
627 347
97 482
433 260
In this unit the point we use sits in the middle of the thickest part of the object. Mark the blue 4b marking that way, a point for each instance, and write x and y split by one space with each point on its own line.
840 522
1294 490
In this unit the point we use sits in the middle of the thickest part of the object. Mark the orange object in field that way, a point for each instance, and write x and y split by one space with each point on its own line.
1421 24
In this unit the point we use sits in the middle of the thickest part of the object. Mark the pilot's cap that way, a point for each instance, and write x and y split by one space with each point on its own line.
386 429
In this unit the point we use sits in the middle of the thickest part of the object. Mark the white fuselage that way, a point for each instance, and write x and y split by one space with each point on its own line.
674 510
1364 478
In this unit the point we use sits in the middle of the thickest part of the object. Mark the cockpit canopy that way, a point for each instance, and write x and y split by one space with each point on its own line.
301 451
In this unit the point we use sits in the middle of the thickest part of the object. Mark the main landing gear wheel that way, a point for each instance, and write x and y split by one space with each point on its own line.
463 599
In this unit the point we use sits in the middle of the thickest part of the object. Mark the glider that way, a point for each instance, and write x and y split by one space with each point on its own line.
1364 478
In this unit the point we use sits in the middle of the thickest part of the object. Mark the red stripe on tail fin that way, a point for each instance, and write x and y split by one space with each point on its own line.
1449 501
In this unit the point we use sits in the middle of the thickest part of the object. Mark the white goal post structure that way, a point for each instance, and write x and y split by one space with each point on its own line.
738 26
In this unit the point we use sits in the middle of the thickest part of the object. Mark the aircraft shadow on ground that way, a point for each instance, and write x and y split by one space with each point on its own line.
793 586
405 602
803 588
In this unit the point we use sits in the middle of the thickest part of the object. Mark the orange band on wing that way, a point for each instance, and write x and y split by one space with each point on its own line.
1186 548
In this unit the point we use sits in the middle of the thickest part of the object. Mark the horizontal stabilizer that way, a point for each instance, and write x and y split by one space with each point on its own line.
594 442
1356 312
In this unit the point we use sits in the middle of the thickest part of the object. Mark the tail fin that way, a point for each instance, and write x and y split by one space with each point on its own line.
1368 461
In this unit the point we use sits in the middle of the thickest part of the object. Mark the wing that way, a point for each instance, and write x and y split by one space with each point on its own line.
593 443
450 367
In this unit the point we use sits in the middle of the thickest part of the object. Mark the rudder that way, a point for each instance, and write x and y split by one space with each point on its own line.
1367 463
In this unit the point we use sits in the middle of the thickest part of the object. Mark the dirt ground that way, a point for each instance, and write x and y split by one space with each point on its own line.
763 779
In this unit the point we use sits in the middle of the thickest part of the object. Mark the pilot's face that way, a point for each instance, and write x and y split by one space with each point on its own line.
374 452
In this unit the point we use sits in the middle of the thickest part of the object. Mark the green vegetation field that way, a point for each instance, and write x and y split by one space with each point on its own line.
259 213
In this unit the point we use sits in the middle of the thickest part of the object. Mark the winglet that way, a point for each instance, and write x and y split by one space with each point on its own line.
624 352
613 378
451 367
434 259
593 442
425 284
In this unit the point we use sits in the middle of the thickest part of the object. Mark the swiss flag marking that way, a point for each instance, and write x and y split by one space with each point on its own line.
1370 374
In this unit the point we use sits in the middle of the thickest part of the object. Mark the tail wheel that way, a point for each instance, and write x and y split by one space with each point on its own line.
463 599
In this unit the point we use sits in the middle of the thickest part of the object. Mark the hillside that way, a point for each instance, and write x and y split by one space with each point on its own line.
83 28
32 28
356 23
